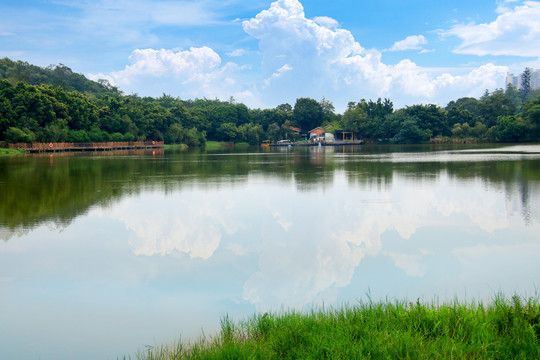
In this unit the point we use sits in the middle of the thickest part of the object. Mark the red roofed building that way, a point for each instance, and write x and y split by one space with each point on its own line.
295 129
318 131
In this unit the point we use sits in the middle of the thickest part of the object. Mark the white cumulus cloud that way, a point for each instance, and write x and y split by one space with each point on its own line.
197 72
515 32
327 61
411 264
237 53
326 21
279 72
193 224
303 57
305 262
413 42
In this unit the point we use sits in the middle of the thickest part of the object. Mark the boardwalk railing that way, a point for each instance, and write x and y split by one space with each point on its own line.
63 146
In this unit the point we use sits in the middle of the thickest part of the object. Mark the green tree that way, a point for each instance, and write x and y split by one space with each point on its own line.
274 132
328 110
355 120
459 130
7 115
493 105
525 84
390 126
78 136
269 116
285 107
129 137
479 130
196 118
308 113
252 133
55 131
378 110
97 135
511 129
458 115
193 137
228 132
531 113
513 95
116 137
410 133
15 135
429 118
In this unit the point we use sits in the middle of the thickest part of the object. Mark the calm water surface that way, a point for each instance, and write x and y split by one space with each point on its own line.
103 254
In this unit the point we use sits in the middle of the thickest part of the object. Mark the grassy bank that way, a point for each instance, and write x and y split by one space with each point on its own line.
214 145
220 145
505 329
10 152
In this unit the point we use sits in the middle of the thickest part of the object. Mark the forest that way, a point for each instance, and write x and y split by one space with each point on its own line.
54 104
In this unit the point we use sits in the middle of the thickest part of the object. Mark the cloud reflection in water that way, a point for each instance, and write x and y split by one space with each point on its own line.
307 245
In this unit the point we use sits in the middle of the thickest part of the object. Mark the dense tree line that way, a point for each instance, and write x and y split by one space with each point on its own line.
54 105
494 118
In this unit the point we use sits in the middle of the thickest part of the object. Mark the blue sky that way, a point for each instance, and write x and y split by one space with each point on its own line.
265 53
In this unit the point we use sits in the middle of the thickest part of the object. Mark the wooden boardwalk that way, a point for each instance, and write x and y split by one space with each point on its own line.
96 146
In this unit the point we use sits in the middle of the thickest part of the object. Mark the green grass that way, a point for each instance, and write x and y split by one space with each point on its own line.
504 329
214 145
10 152
220 145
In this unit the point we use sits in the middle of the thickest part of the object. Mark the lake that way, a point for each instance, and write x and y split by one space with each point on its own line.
103 254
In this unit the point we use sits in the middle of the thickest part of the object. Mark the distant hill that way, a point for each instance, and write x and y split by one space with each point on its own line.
57 75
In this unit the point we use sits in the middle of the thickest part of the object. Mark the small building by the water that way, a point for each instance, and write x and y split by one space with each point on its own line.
295 130
315 133
345 136
328 138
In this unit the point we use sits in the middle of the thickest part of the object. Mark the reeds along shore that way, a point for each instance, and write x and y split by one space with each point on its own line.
504 329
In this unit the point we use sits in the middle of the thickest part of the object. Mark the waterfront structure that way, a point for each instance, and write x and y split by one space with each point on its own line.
97 146
318 131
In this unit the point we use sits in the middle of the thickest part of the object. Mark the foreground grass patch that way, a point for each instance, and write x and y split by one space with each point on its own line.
505 329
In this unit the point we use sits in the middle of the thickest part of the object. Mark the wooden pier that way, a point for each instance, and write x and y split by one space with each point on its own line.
96 146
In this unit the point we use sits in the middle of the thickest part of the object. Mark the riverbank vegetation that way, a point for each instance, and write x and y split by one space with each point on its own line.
9 152
54 104
505 329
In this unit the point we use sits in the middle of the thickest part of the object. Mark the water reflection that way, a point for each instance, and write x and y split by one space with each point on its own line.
158 245
57 189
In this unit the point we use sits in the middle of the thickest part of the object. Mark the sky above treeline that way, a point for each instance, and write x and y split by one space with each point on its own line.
266 53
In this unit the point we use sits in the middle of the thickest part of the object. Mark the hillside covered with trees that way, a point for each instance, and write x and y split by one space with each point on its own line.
54 104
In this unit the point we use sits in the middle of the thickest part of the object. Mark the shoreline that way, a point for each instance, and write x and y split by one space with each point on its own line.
506 328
